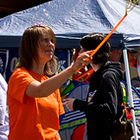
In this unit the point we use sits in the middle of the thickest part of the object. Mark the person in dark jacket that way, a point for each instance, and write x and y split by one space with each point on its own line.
104 97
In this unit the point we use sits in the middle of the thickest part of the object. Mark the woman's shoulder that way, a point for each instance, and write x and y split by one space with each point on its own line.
20 70
18 73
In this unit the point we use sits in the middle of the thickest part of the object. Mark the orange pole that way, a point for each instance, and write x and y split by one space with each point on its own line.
106 38
89 71
88 76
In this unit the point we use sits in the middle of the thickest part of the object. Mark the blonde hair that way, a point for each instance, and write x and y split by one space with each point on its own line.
28 48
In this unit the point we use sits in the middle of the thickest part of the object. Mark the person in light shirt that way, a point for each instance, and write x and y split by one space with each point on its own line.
4 122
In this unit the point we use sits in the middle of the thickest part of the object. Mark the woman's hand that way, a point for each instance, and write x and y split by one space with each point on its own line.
69 103
82 60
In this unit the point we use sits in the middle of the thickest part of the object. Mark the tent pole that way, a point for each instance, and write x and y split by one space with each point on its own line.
68 57
129 91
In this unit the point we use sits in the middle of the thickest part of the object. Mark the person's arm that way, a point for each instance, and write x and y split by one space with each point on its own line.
75 104
80 105
37 89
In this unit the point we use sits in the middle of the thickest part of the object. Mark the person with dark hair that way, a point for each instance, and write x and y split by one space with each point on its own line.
116 56
104 96
33 98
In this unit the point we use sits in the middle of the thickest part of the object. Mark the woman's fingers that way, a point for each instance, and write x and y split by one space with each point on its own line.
82 60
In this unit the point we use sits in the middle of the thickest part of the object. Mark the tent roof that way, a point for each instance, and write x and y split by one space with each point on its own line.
72 40
133 43
61 15
72 18
8 7
63 41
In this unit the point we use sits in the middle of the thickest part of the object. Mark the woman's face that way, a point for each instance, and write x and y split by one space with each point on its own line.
46 48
